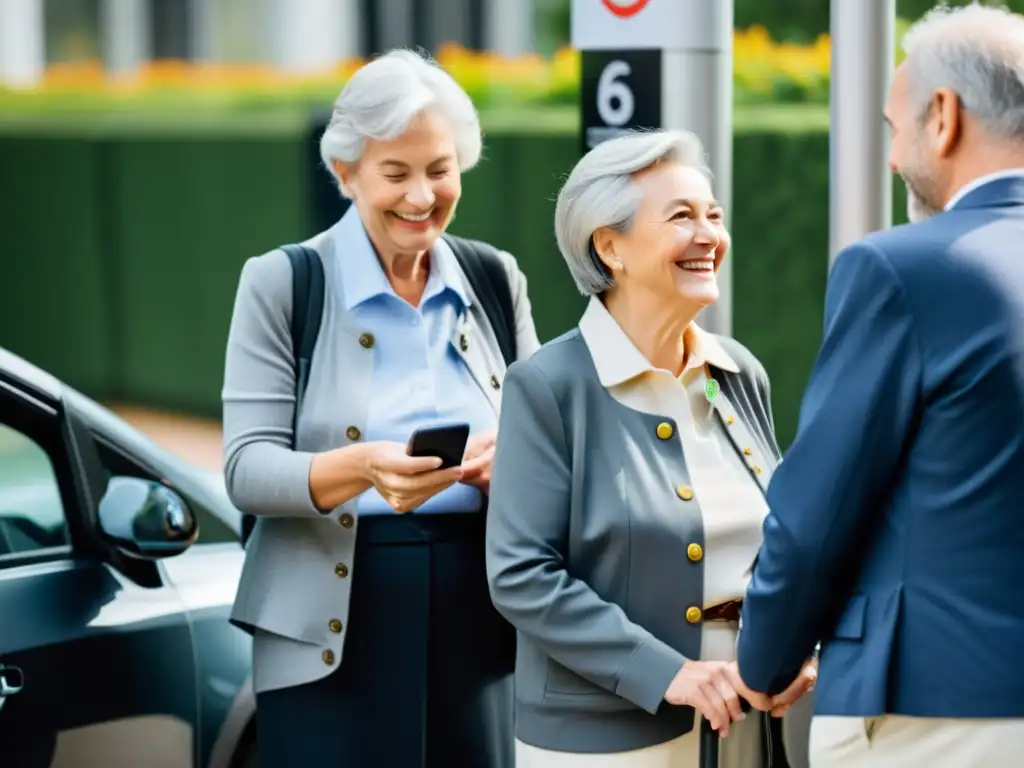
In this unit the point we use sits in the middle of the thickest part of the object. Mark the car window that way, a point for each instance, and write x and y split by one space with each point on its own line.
117 462
31 507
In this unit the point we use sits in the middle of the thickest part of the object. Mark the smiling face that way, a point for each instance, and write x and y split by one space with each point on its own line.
676 242
406 189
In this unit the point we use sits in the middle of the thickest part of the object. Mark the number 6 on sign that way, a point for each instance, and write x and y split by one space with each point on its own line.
615 103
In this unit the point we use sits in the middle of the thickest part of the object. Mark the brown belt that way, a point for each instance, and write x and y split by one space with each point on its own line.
727 611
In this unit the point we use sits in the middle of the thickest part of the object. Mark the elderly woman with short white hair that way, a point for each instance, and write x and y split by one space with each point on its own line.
628 491
374 639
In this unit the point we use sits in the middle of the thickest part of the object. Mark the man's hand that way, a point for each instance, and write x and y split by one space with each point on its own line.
804 682
760 701
477 460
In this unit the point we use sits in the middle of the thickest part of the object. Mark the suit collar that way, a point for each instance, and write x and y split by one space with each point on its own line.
991 191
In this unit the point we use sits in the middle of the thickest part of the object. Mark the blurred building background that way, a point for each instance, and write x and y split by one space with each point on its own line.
307 35
148 147
296 35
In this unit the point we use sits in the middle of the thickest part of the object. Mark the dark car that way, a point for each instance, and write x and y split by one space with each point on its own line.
118 566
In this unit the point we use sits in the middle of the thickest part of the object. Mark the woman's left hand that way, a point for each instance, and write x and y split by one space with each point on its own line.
476 462
804 682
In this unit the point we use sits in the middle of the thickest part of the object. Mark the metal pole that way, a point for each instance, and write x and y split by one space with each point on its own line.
697 95
509 26
125 34
313 35
22 43
860 185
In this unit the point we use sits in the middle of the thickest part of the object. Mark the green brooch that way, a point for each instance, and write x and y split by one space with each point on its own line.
711 389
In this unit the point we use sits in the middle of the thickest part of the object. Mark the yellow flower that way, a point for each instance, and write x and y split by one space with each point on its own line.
762 67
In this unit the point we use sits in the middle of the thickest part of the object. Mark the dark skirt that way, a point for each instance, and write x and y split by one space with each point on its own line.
426 674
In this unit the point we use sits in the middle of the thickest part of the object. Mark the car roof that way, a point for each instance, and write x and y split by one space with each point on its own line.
21 371
99 418
205 484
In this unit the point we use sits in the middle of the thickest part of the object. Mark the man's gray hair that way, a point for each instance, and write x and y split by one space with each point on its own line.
978 52
382 98
601 192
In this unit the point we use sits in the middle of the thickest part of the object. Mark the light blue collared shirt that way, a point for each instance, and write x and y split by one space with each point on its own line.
419 380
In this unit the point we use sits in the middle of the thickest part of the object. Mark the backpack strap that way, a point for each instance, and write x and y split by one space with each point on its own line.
307 313
487 277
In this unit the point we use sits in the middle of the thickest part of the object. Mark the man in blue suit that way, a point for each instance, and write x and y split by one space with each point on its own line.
896 533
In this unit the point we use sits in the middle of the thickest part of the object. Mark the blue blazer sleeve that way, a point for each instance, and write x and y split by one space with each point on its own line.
527 551
854 420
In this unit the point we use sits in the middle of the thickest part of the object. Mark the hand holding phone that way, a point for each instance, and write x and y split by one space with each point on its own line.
405 481
447 442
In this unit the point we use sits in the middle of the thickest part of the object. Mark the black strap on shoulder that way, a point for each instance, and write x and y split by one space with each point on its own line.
487 277
307 313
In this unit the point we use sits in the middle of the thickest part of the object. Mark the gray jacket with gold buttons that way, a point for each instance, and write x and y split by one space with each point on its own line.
587 540
295 585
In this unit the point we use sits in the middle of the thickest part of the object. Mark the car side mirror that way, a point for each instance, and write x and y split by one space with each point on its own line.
145 519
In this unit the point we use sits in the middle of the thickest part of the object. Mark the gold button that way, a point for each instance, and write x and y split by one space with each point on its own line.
341 570
730 420
353 433
463 342
334 625
684 492
495 383
346 520
757 470
747 451
664 430
695 552
693 614
366 340
328 657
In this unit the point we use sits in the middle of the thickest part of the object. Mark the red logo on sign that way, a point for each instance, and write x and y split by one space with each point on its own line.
625 8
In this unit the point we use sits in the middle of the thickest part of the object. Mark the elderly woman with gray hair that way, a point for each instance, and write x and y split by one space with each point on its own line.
628 491
374 639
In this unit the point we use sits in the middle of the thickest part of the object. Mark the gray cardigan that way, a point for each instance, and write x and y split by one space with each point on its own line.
295 586
586 550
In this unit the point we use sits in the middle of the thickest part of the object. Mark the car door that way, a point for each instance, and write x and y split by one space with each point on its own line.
96 661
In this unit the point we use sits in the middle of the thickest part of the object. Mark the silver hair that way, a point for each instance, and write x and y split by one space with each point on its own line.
382 98
600 192
978 52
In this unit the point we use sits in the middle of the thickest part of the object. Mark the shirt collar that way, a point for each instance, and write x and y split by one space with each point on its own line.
981 181
617 360
363 278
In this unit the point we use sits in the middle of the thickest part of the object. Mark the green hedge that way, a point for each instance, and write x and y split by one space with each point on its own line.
122 250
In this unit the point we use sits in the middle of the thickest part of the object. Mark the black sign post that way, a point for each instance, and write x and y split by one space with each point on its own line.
620 91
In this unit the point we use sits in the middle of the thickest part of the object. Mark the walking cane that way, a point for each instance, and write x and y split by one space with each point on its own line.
708 745
773 751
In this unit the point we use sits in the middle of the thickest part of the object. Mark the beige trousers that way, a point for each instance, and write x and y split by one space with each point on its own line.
742 749
893 741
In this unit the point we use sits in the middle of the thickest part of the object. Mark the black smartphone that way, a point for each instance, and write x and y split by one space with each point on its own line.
446 442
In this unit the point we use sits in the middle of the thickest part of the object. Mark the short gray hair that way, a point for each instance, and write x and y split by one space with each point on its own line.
601 192
978 52
382 98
